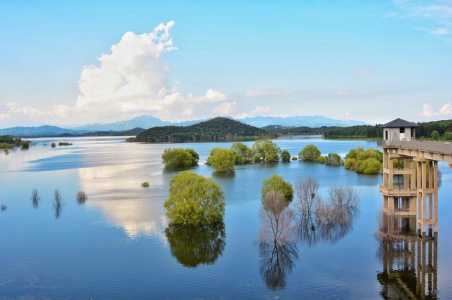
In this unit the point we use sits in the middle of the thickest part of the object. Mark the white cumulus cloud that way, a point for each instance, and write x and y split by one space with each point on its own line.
444 111
131 79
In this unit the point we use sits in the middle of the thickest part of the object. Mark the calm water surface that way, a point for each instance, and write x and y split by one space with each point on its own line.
114 246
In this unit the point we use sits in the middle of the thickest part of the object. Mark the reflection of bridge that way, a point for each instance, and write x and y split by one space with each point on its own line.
409 226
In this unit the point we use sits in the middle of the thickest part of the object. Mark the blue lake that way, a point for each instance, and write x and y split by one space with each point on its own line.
114 246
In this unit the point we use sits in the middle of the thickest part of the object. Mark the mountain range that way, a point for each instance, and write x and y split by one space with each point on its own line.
147 121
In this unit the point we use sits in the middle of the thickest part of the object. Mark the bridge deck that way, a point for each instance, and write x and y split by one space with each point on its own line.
435 150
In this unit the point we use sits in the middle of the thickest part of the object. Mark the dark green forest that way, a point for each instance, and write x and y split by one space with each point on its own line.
214 130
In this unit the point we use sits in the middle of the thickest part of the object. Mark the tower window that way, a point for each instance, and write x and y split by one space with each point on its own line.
402 130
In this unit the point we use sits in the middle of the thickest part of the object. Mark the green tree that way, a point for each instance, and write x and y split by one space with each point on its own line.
435 135
333 159
369 162
243 154
222 160
277 184
194 200
177 158
309 153
285 156
448 136
265 151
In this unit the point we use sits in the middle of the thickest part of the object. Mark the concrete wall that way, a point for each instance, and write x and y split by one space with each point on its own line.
394 134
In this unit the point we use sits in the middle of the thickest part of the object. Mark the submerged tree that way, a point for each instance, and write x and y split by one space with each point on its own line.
222 160
196 245
277 184
310 153
335 218
194 200
265 151
285 156
277 245
177 158
329 219
243 154
308 197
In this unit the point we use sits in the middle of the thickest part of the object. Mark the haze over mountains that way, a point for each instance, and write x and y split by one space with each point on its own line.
146 122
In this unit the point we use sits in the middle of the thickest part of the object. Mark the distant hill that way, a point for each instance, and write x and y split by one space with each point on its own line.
299 121
214 130
147 121
137 122
41 131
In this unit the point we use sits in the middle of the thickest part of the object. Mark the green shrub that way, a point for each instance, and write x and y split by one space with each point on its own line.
243 154
321 160
285 156
309 153
24 145
194 200
333 159
145 184
222 160
448 135
265 151
6 146
362 161
279 185
10 142
178 158
435 135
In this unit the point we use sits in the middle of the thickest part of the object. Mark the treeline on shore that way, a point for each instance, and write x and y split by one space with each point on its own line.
224 160
10 142
440 130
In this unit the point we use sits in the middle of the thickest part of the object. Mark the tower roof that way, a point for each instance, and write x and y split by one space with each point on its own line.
398 123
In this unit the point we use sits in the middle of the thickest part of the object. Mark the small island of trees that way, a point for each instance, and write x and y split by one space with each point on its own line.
10 142
368 162
178 158
224 160
194 200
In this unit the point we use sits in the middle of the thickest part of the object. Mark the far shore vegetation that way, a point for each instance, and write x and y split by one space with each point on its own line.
10 142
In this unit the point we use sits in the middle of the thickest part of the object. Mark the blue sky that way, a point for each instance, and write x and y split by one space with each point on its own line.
365 60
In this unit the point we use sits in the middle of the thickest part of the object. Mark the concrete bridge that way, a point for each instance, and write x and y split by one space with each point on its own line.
410 173
409 222
427 150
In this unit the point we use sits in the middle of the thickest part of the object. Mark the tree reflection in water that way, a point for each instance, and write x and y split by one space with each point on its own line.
277 244
308 198
195 245
328 220
57 204
335 217
35 198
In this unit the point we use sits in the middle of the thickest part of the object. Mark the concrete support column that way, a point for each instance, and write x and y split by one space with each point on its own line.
435 262
412 165
391 173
